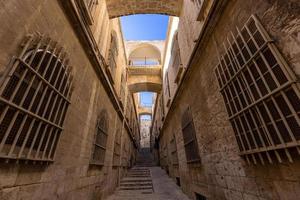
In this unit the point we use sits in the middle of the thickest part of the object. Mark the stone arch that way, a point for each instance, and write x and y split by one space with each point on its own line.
145 51
145 86
118 8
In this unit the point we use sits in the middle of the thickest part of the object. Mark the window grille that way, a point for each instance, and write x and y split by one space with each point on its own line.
165 155
189 137
167 90
176 60
174 151
113 53
100 139
261 95
162 109
117 149
125 153
34 98
122 87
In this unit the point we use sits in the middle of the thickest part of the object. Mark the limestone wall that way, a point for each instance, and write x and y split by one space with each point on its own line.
222 173
70 176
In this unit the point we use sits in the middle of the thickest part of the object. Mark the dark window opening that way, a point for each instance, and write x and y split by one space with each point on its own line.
199 196
34 101
260 94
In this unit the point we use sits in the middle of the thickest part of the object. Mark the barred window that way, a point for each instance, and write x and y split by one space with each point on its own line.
123 87
34 98
163 155
113 53
167 92
175 59
189 137
174 151
125 153
162 109
100 139
261 95
117 149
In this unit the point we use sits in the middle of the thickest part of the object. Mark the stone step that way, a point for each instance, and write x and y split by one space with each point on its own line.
133 193
136 184
134 173
136 181
138 175
136 188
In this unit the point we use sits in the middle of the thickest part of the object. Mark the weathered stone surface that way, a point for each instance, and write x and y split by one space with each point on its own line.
118 8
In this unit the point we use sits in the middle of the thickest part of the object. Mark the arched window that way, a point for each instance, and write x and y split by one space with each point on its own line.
100 139
34 98
113 53
189 137
175 59
117 148
123 88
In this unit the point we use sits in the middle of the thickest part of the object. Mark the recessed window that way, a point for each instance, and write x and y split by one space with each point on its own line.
34 99
260 94
123 88
178 181
117 148
167 92
113 53
189 137
100 141
199 196
174 151
175 59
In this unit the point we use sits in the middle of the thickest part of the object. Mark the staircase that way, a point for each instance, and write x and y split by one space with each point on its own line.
145 158
138 180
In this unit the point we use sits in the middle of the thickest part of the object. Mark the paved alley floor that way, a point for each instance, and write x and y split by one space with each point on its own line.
140 185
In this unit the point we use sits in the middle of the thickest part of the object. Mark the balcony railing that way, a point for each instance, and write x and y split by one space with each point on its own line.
143 61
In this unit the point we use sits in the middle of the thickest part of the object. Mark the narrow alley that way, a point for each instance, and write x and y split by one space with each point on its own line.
149 99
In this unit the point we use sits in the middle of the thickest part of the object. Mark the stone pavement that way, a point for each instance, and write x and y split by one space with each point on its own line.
138 186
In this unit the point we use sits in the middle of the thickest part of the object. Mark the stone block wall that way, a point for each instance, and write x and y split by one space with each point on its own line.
70 176
222 173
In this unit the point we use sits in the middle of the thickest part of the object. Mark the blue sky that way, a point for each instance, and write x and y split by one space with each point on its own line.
146 98
144 27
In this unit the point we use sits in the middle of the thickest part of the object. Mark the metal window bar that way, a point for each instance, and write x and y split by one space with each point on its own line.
28 98
189 137
174 151
167 83
100 140
261 95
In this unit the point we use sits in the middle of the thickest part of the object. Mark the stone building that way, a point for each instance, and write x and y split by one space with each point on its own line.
145 132
225 123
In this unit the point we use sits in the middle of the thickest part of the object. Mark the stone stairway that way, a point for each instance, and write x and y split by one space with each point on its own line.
138 180
145 158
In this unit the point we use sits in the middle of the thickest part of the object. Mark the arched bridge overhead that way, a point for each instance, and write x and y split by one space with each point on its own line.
144 111
118 8
144 79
